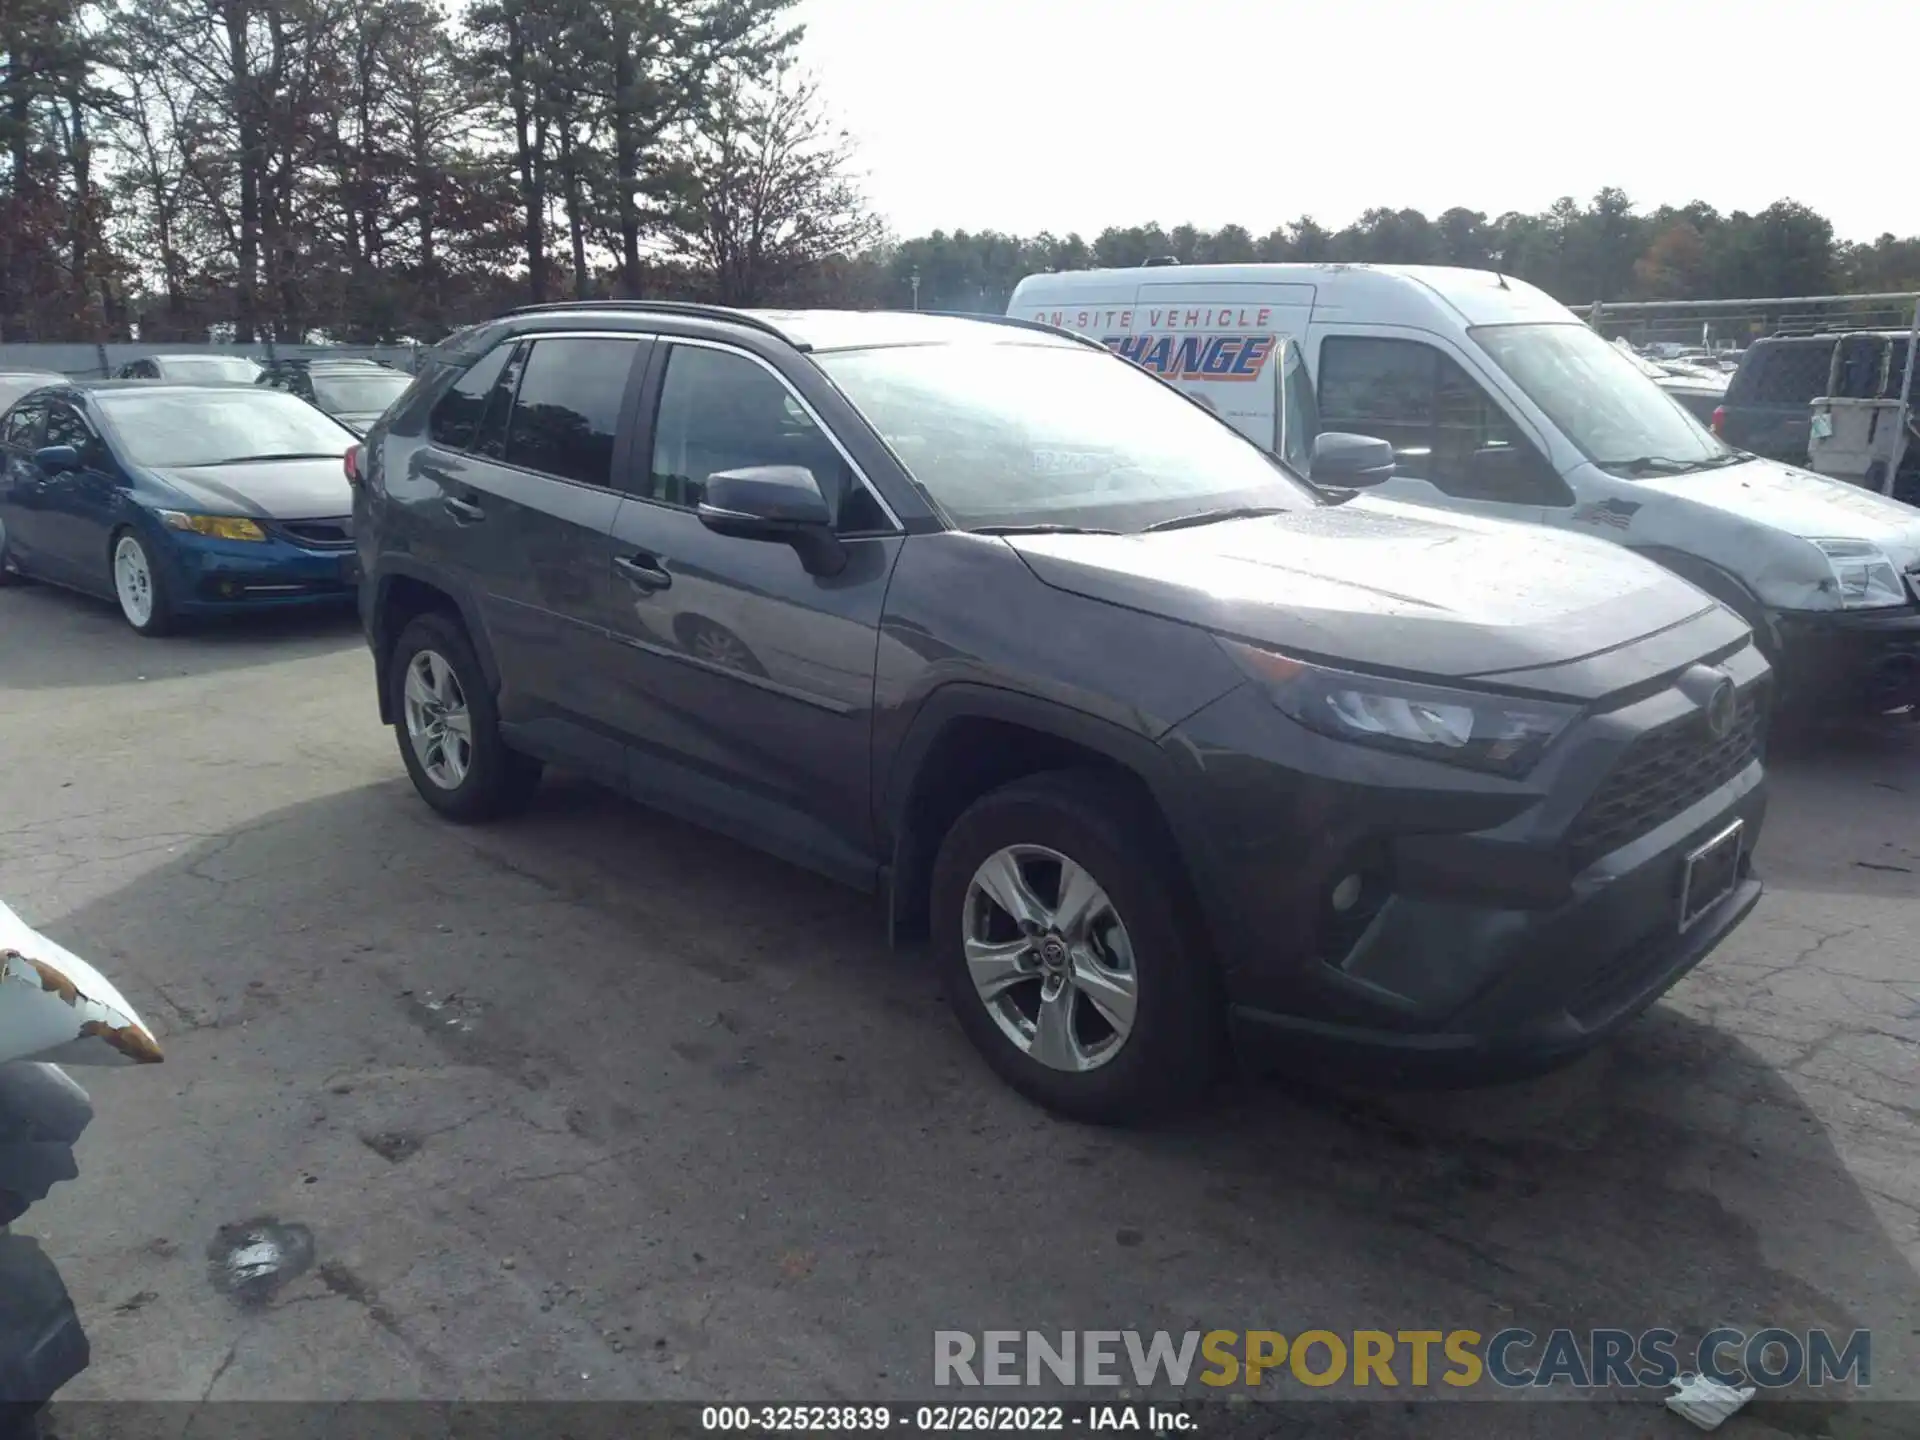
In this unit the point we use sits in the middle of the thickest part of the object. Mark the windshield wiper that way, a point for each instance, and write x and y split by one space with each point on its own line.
1666 465
1039 530
288 455
1209 517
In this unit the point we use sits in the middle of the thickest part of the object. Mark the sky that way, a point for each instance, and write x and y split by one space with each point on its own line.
1064 115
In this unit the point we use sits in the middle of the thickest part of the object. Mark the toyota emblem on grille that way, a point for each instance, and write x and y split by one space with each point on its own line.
1720 708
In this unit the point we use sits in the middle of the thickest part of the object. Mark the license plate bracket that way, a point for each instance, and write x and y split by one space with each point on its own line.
1710 872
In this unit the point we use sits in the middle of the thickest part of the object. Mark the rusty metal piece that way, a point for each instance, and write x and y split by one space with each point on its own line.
56 1007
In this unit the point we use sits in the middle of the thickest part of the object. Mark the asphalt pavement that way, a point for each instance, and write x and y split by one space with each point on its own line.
593 1105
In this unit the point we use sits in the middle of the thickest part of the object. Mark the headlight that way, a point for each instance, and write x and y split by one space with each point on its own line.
217 527
1862 574
1502 734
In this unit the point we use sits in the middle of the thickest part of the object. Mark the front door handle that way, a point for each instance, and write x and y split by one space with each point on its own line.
643 571
465 511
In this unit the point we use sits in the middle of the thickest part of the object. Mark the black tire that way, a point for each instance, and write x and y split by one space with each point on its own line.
498 781
161 619
1177 1040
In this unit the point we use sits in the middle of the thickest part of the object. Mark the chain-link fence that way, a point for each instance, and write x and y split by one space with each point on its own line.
93 361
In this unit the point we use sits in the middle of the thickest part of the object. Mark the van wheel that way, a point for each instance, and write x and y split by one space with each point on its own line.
448 727
1057 935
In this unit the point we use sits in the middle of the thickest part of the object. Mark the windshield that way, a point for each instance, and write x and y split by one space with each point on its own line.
358 394
1600 400
1020 435
214 369
216 427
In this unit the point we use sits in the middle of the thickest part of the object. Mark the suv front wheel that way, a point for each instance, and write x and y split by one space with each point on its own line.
448 728
1057 935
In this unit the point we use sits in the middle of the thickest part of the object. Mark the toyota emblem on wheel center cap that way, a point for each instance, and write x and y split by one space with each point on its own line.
1053 953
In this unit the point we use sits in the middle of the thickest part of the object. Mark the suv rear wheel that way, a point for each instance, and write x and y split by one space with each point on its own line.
1057 936
448 728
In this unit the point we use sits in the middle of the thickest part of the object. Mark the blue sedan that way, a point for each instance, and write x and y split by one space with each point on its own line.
177 500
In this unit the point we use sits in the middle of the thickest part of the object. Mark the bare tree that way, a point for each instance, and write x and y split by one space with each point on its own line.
763 191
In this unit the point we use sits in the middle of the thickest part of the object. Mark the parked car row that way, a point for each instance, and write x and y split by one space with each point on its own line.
1254 724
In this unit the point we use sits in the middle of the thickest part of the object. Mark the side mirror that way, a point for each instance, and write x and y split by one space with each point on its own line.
56 459
782 503
1344 461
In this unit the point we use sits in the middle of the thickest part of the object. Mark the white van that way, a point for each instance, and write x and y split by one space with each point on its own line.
1498 401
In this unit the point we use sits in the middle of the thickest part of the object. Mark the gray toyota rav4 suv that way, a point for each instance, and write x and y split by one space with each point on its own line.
1163 745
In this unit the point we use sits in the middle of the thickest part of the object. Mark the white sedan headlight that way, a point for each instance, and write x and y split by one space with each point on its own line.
1863 576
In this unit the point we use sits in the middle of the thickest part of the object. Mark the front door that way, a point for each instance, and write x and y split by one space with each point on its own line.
748 680
1455 446
78 505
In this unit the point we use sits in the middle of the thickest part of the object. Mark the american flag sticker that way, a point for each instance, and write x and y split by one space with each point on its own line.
1615 513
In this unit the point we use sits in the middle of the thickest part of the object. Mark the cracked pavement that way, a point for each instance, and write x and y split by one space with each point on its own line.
594 1105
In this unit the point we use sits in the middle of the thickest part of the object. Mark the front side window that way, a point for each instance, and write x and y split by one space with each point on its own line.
721 411
218 427
1444 428
1014 433
65 426
566 411
1613 414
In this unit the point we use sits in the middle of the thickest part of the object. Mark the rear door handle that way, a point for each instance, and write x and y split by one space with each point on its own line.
643 571
464 511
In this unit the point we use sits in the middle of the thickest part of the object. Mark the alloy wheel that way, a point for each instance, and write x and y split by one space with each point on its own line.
439 723
1050 958
133 580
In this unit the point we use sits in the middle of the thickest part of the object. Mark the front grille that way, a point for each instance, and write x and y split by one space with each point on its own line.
321 534
1665 771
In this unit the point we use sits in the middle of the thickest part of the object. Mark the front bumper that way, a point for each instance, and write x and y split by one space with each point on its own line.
1855 659
1510 925
212 575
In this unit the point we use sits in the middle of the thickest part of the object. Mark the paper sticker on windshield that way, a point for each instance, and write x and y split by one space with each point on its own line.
1617 514
1071 462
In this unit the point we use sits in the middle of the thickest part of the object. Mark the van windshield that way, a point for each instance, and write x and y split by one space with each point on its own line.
1014 436
1601 400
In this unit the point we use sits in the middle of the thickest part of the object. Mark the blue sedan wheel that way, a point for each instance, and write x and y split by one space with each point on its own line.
140 587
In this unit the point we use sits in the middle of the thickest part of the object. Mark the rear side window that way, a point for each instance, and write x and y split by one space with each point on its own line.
66 427
566 412
455 422
1788 373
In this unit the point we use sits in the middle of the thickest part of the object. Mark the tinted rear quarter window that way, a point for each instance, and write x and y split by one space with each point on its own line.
566 411
455 422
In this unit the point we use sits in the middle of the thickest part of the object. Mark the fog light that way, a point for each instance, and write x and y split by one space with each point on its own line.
1352 904
1346 894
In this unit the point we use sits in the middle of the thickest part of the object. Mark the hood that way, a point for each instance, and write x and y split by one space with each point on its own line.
266 489
1799 502
1383 586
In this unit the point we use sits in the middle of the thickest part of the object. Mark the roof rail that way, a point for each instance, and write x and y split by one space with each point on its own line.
1017 323
691 309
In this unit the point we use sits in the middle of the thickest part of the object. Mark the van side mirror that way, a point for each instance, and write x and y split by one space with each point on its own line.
1346 461
1513 473
775 502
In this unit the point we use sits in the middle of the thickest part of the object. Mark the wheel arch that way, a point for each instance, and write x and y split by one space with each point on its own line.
1723 585
403 593
967 740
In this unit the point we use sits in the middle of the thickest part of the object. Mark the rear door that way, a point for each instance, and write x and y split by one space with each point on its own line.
519 504
748 681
